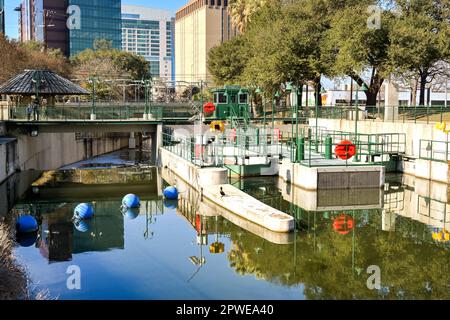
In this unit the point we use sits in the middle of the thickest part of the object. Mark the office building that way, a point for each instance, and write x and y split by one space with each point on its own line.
199 26
46 21
150 33
2 16
100 19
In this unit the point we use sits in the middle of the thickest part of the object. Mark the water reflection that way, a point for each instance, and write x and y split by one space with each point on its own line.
333 248
52 201
191 248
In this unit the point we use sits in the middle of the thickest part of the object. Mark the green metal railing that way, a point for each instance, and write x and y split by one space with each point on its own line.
399 114
370 148
83 113
434 150
198 153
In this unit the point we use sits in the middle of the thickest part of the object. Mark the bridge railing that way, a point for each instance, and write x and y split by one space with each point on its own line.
83 113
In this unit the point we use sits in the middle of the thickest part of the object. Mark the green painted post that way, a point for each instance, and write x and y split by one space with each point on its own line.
316 143
300 149
328 147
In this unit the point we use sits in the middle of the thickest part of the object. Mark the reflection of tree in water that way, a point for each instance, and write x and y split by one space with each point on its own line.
322 260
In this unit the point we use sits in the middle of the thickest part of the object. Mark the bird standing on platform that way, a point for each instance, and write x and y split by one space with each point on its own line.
222 193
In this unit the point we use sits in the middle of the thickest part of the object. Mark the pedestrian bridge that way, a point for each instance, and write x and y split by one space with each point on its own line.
109 117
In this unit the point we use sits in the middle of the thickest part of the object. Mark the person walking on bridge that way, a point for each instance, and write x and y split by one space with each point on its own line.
36 110
29 110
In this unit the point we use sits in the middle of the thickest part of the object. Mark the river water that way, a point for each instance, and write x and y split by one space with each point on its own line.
189 250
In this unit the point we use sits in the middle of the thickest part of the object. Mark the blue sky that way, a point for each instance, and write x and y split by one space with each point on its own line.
12 16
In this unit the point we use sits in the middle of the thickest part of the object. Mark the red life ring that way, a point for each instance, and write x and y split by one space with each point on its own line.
209 107
345 150
343 224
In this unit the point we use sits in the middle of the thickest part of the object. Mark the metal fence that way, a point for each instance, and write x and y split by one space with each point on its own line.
315 148
434 150
83 113
399 114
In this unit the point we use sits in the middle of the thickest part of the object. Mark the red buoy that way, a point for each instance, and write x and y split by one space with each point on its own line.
345 150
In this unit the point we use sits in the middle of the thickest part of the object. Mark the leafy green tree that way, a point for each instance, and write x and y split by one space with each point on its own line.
419 39
360 51
226 62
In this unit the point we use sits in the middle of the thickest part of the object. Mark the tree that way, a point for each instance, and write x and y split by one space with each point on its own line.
17 57
109 64
226 62
359 51
419 39
241 11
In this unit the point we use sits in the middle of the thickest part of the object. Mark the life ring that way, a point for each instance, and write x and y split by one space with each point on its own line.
343 224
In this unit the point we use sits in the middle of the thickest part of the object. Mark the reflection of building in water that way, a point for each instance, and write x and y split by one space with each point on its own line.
106 230
56 240
59 239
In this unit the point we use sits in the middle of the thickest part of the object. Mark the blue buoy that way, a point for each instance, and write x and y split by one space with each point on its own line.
26 223
27 239
131 213
83 211
82 225
131 201
170 204
171 193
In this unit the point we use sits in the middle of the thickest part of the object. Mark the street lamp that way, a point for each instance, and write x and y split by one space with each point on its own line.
259 91
147 112
93 81
276 96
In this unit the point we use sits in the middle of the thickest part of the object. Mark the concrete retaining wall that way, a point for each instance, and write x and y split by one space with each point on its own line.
52 150
322 178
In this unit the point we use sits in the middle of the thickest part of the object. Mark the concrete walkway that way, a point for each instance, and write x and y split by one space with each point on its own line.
250 208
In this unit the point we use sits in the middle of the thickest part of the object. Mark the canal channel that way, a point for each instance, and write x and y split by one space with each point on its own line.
183 250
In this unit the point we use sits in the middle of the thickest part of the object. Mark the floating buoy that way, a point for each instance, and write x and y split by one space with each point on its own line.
131 213
171 193
26 224
83 211
27 239
82 225
170 204
131 201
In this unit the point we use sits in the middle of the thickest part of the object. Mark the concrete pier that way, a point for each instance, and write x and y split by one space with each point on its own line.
208 182
335 177
190 198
